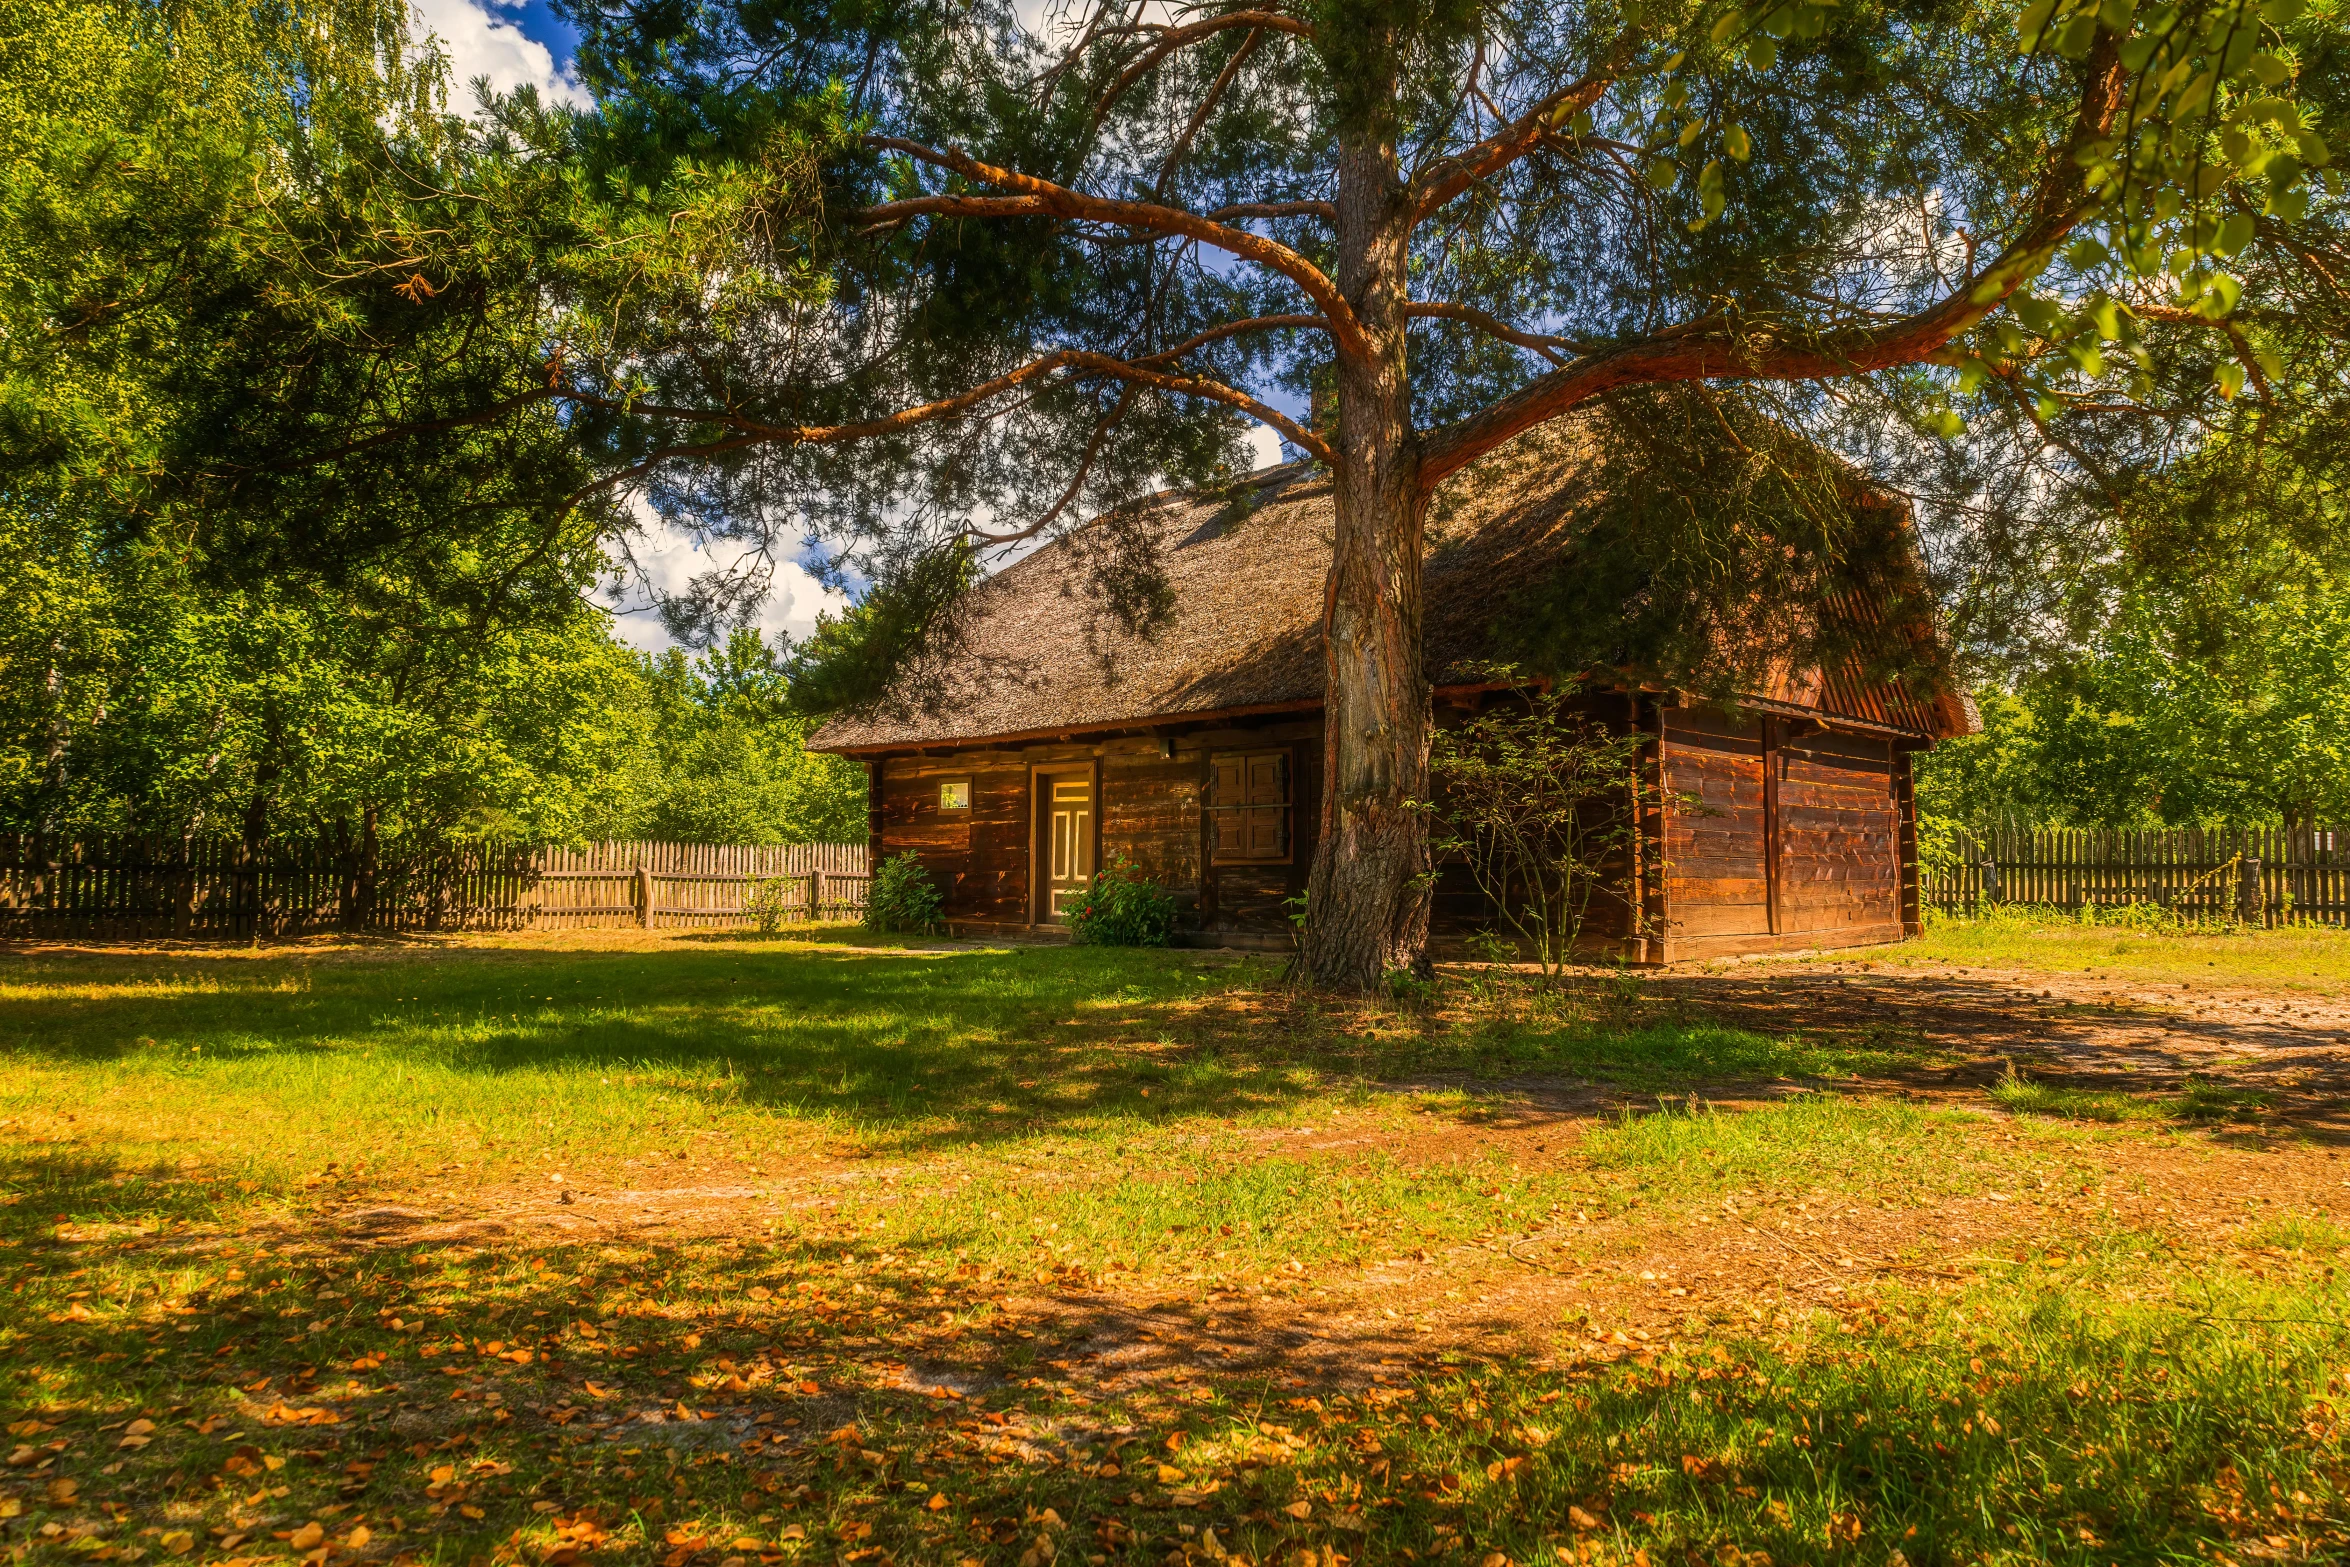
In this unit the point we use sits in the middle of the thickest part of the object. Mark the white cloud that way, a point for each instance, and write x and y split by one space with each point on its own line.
1264 446
480 41
670 559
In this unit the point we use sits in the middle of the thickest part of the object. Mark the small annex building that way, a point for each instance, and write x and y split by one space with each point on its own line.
1786 821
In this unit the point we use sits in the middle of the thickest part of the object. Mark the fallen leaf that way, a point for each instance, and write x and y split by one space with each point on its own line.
1300 1509
179 1542
358 1537
307 1536
1170 1475
1581 1519
760 1292
937 1502
62 1491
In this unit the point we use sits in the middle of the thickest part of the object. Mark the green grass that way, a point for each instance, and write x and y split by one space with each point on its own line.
2197 1101
2304 957
935 1134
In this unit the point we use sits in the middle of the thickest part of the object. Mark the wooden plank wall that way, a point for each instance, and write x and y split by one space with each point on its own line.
146 888
1838 832
2199 873
1717 841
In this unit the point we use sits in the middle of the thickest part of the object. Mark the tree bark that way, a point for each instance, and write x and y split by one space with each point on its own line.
1367 903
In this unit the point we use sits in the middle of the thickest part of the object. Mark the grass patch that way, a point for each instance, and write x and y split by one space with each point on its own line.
2197 1101
200 1363
2303 957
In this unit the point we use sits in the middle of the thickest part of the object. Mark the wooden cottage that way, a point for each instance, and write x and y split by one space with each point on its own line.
1196 752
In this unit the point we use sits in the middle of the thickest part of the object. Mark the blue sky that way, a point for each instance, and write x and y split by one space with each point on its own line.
514 42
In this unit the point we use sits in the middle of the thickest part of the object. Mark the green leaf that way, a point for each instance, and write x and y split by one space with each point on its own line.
2077 36
2314 150
1736 143
2234 234
2271 69
1763 53
1726 24
2281 12
1691 131
1662 172
2035 19
2228 376
2219 296
2289 206
2117 15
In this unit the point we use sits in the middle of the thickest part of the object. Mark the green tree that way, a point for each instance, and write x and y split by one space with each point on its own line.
727 760
1066 268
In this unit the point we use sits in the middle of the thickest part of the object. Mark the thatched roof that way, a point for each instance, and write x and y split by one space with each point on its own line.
1246 572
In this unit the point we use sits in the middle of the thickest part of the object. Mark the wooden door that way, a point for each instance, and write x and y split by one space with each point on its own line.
1070 837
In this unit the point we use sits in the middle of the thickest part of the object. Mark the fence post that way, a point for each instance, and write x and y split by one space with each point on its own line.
815 895
644 896
2248 890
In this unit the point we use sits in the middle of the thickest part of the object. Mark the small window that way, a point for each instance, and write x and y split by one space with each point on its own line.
955 795
1248 809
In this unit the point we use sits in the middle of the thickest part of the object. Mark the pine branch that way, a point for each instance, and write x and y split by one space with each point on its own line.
1446 178
1717 348
1042 197
1177 38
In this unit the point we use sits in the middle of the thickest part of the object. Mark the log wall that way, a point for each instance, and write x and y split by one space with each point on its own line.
1781 835
1771 835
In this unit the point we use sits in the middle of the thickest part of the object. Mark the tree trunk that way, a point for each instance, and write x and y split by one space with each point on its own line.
1367 905
370 849
248 911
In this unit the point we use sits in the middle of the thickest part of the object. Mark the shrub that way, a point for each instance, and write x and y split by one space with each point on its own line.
903 897
769 904
1122 909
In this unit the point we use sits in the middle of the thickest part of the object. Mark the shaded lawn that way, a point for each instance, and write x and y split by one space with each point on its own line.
195 1365
524 1062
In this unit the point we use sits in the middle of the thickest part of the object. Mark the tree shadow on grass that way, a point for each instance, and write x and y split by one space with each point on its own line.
672 1401
915 1049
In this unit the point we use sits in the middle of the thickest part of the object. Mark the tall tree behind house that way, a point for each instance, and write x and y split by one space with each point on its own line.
1466 219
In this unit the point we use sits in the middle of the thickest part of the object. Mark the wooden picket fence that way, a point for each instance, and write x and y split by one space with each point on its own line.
2254 875
141 888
